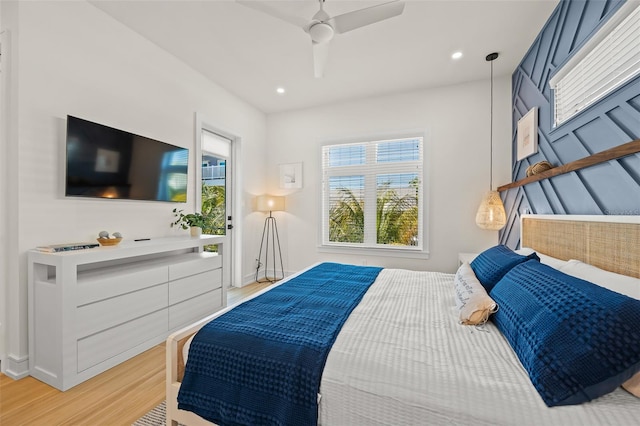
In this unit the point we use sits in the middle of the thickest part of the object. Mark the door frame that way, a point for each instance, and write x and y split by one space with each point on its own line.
232 263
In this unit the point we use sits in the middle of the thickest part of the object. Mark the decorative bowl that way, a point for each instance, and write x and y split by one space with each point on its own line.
109 241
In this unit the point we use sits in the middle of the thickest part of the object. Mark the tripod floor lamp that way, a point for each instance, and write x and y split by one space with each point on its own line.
270 240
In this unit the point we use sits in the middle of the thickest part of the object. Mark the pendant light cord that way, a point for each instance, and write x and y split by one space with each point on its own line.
491 57
491 134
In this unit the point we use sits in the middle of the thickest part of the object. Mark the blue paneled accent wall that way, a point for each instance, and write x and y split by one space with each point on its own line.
608 188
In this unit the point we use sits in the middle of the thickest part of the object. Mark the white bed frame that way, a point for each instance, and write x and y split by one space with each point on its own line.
609 242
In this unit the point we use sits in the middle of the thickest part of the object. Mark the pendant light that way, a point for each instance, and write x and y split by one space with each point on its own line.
491 214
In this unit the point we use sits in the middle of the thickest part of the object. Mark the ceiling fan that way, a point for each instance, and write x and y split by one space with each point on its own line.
323 27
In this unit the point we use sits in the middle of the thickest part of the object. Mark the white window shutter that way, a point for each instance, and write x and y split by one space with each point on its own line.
611 59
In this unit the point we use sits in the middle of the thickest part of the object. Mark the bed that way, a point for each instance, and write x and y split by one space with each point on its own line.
402 357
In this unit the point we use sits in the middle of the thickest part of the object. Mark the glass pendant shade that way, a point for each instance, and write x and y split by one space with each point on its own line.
491 214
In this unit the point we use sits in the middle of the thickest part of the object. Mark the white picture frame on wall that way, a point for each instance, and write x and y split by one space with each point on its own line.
291 176
528 134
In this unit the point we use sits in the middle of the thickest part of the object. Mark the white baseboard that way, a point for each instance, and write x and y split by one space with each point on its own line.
251 278
17 367
248 279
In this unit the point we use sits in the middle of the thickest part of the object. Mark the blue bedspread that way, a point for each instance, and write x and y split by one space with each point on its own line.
261 363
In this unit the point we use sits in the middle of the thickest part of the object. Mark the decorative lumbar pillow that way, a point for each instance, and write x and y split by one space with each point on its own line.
491 265
577 340
633 385
473 303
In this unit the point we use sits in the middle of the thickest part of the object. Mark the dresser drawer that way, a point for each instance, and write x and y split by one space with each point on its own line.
194 309
99 347
95 317
196 264
194 285
104 283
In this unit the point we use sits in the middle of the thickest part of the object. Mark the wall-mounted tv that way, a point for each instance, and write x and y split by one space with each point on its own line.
103 162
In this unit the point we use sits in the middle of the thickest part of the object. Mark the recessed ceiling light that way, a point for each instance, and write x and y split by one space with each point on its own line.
456 55
280 90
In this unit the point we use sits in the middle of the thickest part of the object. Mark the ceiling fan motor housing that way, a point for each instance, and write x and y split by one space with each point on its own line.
321 32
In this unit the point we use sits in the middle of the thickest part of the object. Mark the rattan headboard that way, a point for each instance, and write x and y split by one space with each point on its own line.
608 242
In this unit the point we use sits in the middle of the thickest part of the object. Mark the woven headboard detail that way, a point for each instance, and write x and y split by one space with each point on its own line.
613 246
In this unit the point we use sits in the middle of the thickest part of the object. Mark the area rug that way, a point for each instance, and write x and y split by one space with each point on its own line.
155 417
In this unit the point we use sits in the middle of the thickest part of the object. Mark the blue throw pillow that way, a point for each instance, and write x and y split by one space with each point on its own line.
491 265
577 340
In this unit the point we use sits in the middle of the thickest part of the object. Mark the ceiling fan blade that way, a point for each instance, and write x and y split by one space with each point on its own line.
370 15
276 13
320 55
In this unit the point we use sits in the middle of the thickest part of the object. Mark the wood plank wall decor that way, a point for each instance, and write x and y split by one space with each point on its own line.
610 187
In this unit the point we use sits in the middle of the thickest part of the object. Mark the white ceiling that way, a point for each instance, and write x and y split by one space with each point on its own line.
250 53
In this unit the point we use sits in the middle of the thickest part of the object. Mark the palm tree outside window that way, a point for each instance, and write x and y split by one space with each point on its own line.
372 194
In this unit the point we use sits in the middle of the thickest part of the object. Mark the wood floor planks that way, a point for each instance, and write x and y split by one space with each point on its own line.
116 397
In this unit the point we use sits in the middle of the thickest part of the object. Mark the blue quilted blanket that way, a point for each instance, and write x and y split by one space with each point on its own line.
261 363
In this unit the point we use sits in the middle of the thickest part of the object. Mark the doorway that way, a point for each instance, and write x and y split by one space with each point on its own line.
215 190
215 200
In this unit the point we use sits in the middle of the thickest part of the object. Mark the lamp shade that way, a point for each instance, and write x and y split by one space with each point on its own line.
491 214
269 203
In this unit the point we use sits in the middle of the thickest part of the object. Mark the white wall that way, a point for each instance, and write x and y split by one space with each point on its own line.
455 121
4 167
74 59
70 58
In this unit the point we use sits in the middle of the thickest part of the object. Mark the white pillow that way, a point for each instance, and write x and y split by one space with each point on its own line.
554 262
622 284
472 300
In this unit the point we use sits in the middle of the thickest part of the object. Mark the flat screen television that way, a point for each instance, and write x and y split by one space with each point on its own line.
103 162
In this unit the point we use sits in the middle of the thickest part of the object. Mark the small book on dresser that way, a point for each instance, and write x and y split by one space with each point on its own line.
56 248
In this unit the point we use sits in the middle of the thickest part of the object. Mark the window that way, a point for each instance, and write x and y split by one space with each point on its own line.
373 194
607 61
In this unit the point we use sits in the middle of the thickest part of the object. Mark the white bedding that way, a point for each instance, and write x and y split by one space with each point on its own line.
402 359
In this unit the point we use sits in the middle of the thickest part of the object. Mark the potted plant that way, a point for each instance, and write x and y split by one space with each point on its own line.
193 221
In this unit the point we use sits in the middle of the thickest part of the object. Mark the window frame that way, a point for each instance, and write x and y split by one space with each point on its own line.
367 248
566 71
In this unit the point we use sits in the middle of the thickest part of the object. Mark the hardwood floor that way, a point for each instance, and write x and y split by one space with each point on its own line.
118 396
234 295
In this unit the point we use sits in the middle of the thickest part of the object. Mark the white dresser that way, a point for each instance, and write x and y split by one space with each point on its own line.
92 309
